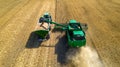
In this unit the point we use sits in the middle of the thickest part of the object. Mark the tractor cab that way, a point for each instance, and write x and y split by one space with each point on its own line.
45 18
46 15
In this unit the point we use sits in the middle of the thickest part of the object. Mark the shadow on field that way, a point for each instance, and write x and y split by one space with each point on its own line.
57 30
33 41
61 49
64 53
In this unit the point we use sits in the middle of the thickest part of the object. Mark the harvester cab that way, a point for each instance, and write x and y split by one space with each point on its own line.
74 25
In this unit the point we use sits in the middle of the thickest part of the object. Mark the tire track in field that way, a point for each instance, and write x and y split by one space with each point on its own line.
18 45
5 20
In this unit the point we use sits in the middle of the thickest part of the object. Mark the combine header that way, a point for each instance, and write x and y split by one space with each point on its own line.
74 31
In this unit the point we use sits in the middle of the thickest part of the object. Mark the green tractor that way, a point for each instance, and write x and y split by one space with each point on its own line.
44 34
74 31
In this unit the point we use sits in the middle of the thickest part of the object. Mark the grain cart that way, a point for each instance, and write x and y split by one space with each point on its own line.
75 33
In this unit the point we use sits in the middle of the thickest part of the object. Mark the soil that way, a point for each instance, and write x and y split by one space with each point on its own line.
19 46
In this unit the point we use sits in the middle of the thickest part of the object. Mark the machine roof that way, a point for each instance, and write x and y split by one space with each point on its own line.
78 33
73 21
46 13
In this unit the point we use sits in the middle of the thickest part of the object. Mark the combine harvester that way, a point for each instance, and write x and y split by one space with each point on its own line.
74 31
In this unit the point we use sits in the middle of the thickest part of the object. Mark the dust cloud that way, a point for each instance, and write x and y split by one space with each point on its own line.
83 57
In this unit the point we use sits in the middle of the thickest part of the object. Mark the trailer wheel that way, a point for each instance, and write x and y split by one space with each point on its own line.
50 28
48 36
